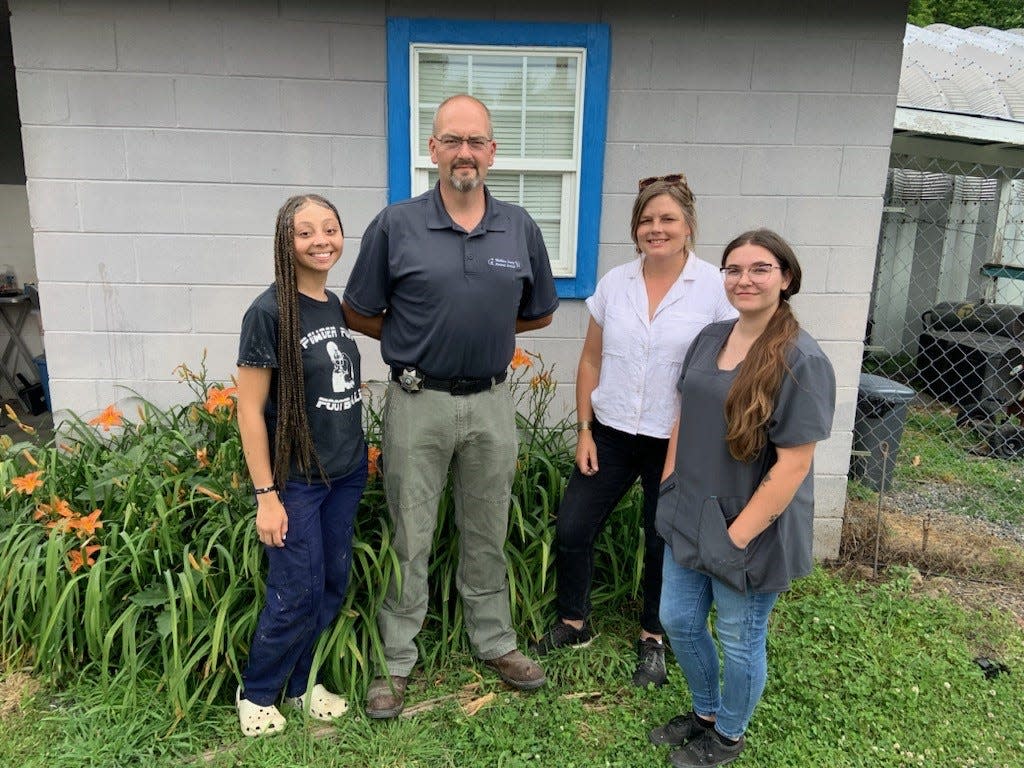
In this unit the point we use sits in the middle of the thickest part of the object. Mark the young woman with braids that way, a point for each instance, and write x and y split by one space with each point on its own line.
737 501
644 315
300 417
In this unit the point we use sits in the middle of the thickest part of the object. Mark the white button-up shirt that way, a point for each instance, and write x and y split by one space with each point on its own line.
642 358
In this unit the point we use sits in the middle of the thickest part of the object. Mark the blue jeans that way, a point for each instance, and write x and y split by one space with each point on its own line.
741 623
306 584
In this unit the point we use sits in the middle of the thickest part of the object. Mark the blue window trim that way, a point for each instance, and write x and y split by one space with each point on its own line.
594 37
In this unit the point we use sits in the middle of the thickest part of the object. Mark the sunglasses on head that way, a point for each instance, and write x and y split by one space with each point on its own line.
671 178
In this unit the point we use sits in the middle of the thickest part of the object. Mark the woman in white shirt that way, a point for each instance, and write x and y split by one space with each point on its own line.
644 315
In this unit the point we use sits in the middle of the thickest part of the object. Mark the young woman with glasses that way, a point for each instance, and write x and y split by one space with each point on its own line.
737 502
644 315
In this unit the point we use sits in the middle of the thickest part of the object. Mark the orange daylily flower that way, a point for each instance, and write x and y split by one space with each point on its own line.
111 417
373 458
520 359
217 397
27 484
201 457
79 557
207 492
29 458
87 524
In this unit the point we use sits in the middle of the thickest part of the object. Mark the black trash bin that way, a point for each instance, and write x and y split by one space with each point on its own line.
881 413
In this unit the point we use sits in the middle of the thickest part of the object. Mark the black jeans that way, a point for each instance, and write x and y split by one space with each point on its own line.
588 502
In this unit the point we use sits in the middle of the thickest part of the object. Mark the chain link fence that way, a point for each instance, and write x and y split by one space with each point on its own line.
939 416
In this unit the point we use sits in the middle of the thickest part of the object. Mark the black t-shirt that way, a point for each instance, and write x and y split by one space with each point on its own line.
330 365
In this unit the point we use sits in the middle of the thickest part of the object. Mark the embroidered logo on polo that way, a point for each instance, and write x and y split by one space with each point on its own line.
503 263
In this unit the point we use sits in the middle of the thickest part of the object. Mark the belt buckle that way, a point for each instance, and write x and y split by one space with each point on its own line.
410 380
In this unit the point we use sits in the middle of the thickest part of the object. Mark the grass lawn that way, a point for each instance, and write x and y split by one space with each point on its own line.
860 675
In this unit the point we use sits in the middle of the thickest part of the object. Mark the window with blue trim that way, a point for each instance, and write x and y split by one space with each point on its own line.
547 88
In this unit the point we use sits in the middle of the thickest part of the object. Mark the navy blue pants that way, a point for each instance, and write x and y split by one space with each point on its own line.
585 507
306 585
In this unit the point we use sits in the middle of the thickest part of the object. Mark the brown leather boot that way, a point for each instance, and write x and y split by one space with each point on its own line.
518 670
386 697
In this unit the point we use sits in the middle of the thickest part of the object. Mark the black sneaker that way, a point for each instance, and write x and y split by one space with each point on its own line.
562 635
650 665
679 730
705 751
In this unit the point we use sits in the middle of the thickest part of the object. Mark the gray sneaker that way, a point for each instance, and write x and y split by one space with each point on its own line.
650 665
706 751
562 635
677 731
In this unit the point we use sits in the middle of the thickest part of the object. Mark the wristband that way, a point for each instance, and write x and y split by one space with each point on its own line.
582 425
268 489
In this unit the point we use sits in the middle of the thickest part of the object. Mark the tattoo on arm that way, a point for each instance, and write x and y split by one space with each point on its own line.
766 478
773 518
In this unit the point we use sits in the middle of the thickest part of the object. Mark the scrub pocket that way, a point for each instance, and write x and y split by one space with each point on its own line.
716 554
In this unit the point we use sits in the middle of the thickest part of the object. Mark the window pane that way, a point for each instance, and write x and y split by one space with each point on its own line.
549 134
497 80
551 81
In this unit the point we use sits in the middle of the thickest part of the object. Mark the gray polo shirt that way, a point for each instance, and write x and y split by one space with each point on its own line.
451 297
709 487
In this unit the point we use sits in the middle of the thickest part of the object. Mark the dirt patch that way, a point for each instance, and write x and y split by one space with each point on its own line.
978 564
15 687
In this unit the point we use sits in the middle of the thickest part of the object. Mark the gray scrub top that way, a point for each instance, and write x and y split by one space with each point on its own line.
451 297
709 488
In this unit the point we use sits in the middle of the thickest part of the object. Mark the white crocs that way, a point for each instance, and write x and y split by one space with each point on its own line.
256 720
323 705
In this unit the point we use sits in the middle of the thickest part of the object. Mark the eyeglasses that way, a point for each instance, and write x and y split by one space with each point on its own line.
672 178
450 141
758 273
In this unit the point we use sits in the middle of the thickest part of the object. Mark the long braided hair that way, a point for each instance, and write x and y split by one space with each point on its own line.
292 438
751 398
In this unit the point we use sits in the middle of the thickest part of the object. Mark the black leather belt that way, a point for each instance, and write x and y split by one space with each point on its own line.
412 379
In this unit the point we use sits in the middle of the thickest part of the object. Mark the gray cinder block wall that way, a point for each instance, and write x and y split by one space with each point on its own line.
161 137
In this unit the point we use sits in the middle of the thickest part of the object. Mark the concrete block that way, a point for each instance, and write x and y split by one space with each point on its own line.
71 395
611 255
89 355
357 206
832 456
814 265
120 99
354 109
162 353
272 48
219 309
746 118
616 211
178 44
47 41
113 9
243 103
754 19
205 259
846 357
265 158
846 408
629 117
352 12
722 218
833 220
846 119
359 52
544 10
709 170
360 161
828 531
791 170
174 155
123 308
803 65
251 9
851 269
877 66
231 209
42 98
631 64
53 205
559 356
63 257
864 171
832 317
653 15
568 324
73 153
130 207
692 61
372 364
65 307
868 20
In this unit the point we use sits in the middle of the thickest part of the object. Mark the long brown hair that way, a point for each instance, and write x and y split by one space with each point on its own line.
679 191
751 397
292 436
